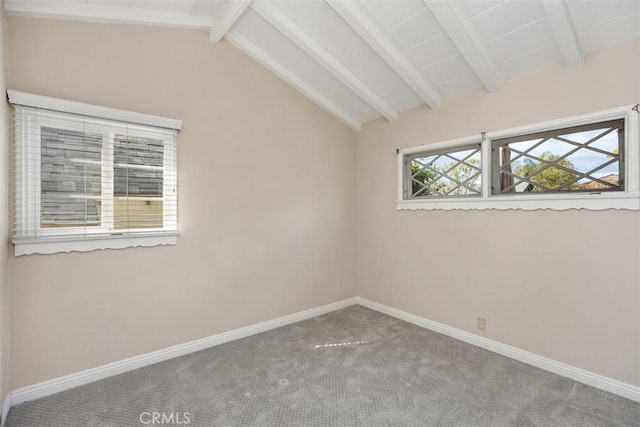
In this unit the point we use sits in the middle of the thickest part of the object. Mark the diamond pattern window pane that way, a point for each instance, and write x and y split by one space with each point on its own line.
445 173
578 159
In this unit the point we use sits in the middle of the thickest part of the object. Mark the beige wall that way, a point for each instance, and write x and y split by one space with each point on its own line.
267 213
4 238
564 285
266 184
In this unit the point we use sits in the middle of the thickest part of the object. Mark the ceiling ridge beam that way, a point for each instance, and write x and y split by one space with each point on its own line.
373 36
461 37
236 9
108 14
291 78
313 48
559 19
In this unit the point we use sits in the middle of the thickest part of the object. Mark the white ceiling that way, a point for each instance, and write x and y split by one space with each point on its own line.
361 60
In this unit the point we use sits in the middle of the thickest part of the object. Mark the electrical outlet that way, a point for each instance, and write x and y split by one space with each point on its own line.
482 323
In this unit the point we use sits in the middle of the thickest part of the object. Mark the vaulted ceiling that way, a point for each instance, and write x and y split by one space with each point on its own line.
361 60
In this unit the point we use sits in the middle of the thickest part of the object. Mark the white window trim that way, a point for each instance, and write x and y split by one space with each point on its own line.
629 199
86 244
73 107
61 240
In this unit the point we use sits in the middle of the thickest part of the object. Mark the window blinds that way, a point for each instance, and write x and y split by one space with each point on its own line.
78 175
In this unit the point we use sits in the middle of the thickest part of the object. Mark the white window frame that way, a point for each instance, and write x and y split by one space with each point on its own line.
97 120
628 199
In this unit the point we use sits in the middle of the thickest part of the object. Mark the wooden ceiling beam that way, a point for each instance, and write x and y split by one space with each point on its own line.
234 12
109 14
314 49
291 78
458 32
375 38
561 24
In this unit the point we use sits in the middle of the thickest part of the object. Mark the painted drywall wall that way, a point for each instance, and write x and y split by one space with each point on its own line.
564 285
266 207
4 208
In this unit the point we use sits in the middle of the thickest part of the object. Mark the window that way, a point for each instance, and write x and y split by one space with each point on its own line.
89 177
442 173
584 162
577 159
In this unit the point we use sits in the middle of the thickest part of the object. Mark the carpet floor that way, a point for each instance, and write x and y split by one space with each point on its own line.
352 367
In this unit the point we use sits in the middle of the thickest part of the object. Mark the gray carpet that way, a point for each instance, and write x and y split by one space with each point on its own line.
352 367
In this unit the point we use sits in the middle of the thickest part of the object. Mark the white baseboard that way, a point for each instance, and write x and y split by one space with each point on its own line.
56 385
6 405
595 380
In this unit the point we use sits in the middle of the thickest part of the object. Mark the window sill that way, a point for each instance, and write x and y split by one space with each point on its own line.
593 202
86 244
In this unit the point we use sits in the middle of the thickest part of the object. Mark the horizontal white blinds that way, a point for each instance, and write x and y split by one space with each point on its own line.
82 176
